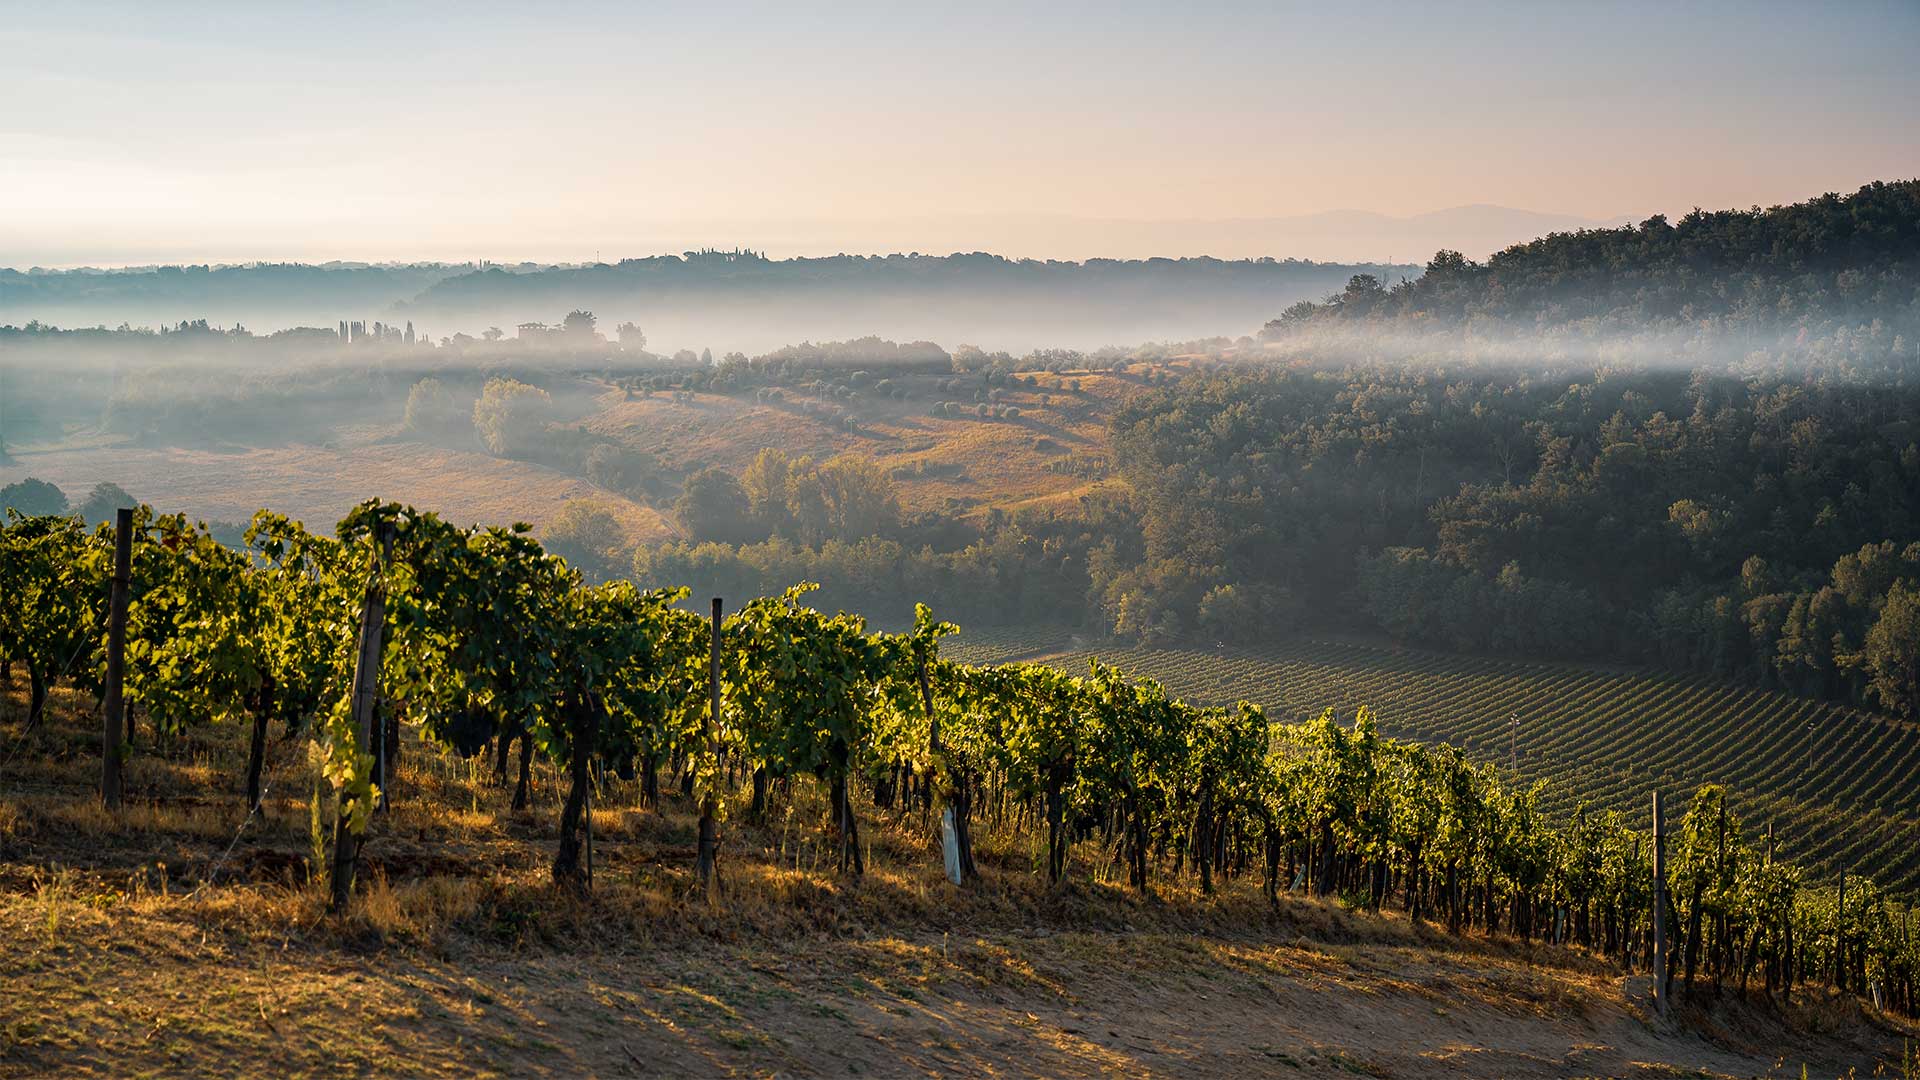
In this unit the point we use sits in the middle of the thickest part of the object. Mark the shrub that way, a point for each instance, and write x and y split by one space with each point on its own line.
511 416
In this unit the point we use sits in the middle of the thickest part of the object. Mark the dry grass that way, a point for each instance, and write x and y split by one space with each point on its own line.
319 484
137 946
963 466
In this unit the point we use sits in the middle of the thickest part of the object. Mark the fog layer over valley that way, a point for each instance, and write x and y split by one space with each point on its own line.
736 300
1432 458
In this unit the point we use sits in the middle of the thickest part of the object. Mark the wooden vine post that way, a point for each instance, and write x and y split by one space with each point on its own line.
954 841
366 684
707 851
1659 909
113 702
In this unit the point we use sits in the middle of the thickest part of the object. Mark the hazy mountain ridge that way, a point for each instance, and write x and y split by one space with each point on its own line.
727 300
747 301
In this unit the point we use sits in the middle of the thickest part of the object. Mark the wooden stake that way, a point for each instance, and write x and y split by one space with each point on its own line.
114 703
707 852
366 684
953 837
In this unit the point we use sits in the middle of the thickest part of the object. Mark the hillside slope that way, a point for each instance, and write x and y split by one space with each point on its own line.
1056 449
184 937
1836 783
321 483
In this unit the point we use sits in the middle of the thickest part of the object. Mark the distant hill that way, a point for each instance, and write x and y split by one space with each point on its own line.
723 300
746 301
263 296
1339 235
1837 256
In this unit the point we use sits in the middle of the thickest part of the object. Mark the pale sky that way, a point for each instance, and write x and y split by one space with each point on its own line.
207 132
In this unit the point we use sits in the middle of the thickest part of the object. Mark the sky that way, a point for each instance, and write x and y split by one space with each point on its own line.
154 132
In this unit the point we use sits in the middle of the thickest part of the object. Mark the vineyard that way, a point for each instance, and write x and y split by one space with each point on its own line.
468 653
1837 785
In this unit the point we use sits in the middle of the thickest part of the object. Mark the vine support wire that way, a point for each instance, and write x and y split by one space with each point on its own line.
220 864
33 715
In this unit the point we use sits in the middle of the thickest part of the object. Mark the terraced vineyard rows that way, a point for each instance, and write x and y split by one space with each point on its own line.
1841 787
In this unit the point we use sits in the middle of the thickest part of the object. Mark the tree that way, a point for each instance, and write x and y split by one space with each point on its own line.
621 468
431 411
631 336
858 497
848 498
713 507
33 498
768 484
587 535
511 416
102 501
1891 655
579 326
1363 291
1231 613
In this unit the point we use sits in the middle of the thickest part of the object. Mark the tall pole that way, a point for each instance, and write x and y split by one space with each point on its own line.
1659 909
1513 745
114 703
366 683
955 844
707 852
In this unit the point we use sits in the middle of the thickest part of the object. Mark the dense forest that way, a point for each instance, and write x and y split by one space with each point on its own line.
1712 523
1857 253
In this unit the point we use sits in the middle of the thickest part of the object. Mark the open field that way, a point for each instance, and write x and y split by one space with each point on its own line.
319 484
1838 784
158 944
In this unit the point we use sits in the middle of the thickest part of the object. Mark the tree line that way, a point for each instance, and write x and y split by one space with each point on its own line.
1835 255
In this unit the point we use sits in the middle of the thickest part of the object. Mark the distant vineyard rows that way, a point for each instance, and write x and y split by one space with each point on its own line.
1841 787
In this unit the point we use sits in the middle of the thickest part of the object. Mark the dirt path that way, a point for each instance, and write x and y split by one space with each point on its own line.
142 995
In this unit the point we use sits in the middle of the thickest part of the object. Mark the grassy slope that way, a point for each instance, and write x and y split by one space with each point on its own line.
137 946
319 484
960 465
1605 735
